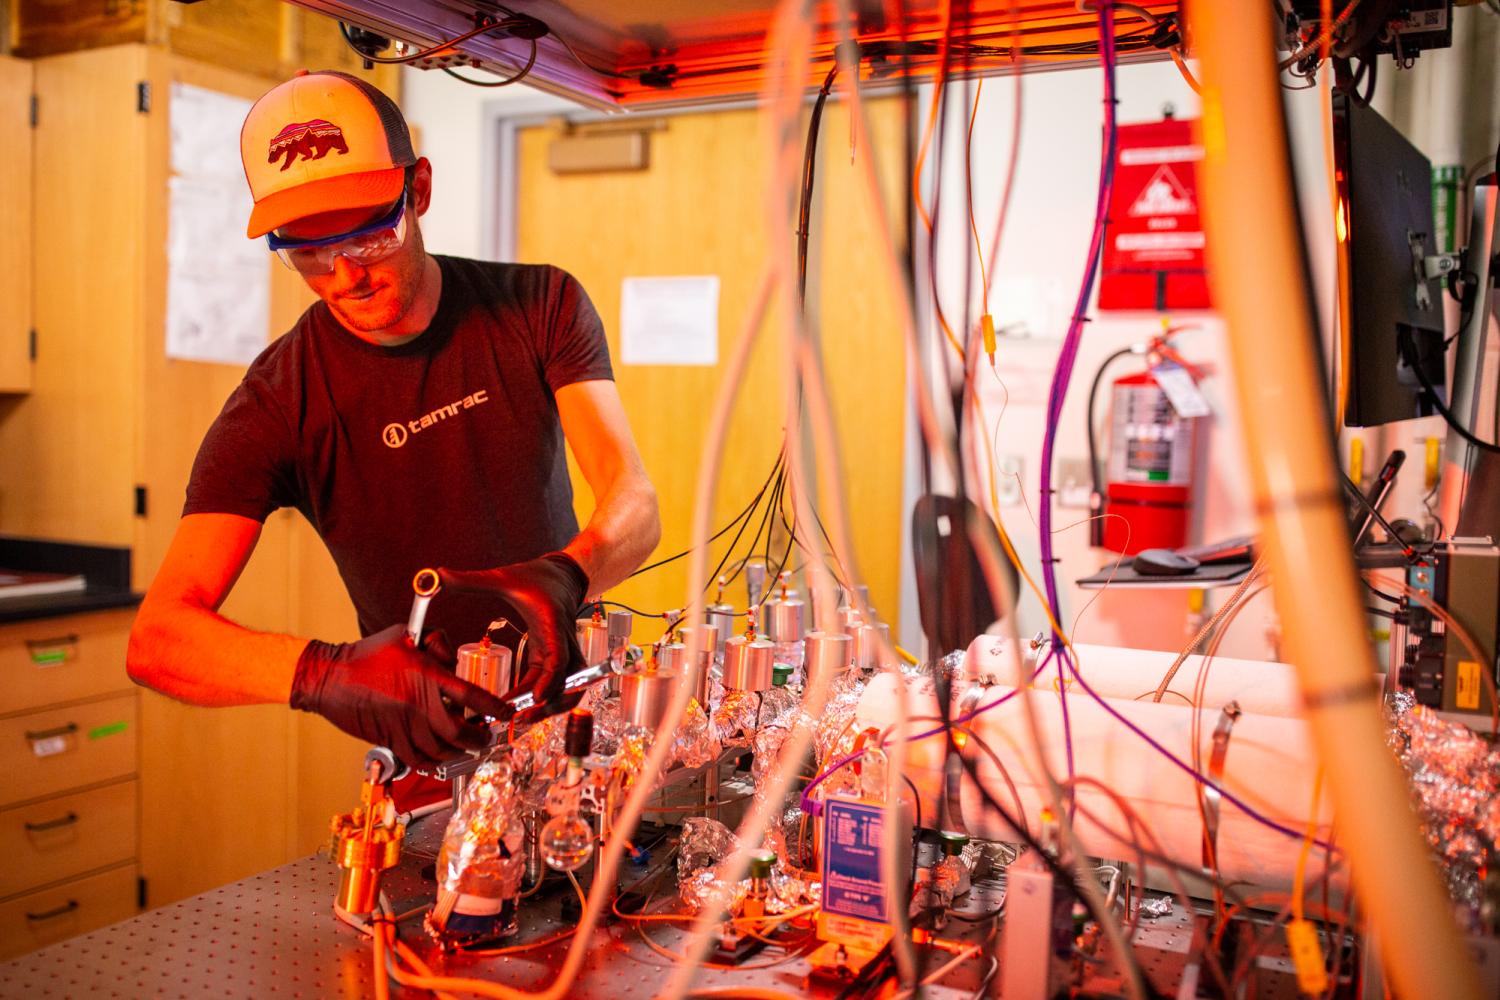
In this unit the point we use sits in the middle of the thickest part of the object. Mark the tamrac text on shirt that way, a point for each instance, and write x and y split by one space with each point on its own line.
395 435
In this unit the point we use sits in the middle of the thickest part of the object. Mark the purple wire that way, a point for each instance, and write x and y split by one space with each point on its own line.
1063 373
813 807
1198 776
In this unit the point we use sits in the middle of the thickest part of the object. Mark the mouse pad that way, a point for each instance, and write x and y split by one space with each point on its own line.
1121 574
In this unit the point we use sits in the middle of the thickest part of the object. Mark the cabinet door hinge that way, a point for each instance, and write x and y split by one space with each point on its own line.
35 101
140 892
140 501
143 97
31 343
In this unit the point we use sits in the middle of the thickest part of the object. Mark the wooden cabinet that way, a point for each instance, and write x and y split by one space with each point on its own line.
15 210
58 912
263 37
69 795
99 451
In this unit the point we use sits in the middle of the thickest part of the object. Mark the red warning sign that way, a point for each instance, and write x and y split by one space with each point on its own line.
1153 247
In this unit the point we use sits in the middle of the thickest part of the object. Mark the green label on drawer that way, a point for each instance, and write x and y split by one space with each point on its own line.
48 657
99 732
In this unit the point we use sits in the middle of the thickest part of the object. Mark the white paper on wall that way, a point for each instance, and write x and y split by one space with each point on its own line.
670 321
218 282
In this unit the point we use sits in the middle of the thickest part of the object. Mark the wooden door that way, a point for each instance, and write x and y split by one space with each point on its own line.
15 209
699 210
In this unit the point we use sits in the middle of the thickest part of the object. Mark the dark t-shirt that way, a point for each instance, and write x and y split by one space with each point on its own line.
445 451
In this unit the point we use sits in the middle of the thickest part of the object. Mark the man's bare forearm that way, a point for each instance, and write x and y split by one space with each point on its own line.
622 532
200 657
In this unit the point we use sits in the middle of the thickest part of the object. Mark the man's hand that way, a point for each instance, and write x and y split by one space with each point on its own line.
547 594
384 690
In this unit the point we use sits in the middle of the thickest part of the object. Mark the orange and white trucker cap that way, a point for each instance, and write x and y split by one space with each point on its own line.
322 142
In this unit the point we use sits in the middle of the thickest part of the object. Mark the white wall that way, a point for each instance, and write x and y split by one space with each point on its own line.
1040 267
454 122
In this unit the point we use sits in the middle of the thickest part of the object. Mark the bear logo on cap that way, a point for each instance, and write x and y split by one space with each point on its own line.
312 140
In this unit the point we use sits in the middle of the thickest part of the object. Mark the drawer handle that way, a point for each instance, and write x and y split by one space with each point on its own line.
47 734
50 652
67 907
53 824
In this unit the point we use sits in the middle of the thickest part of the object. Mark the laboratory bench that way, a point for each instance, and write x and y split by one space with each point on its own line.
275 934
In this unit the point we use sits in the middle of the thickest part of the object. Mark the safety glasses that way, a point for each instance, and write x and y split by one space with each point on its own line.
365 245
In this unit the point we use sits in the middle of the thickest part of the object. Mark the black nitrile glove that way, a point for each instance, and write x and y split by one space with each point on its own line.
546 593
384 690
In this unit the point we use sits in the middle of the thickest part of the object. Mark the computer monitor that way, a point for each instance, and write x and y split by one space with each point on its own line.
1385 229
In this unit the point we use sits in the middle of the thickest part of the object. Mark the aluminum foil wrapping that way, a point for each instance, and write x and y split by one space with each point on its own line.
766 744
482 846
609 723
778 704
833 735
734 722
1152 909
536 752
950 666
798 834
947 877
704 843
788 891
635 746
695 742
1455 776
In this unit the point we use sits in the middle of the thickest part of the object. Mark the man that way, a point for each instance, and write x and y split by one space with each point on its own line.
416 415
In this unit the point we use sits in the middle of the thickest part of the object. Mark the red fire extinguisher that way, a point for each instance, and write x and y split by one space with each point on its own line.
1153 428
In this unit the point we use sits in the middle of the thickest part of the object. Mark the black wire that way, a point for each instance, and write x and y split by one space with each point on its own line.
634 611
1379 593
809 168
1364 501
1096 475
1409 352
511 20
744 514
516 77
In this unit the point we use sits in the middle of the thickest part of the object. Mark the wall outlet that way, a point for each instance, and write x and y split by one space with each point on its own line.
1008 472
1074 484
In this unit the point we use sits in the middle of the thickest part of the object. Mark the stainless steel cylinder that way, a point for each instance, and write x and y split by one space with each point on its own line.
749 664
867 644
784 619
593 639
671 656
485 665
755 583
619 624
708 641
828 655
721 617
646 696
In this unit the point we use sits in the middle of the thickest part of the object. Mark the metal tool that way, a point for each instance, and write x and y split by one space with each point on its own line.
425 585
500 728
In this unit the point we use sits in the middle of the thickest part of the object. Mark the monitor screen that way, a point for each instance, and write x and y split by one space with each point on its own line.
1392 315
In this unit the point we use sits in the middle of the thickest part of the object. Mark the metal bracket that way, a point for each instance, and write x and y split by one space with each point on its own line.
1211 797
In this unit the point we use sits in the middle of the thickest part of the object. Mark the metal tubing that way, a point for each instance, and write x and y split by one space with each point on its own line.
1257 268
1468 358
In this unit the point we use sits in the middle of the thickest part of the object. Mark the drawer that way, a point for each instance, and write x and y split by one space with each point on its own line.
57 749
38 919
58 838
63 659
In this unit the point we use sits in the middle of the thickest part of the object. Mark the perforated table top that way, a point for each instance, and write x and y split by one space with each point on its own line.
275 935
